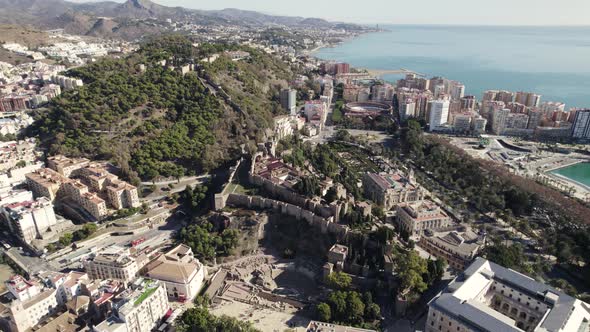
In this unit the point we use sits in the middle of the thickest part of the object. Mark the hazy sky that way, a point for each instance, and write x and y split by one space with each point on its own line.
495 12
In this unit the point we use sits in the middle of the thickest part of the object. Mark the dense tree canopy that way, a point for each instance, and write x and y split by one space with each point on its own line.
154 121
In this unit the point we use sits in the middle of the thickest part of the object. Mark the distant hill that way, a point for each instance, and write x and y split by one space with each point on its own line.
126 19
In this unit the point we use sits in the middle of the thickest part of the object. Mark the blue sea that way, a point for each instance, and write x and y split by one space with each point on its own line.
551 61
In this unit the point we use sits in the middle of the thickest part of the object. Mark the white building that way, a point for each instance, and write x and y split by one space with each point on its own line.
439 113
457 91
407 109
30 219
180 272
499 117
32 303
116 263
581 126
288 98
138 309
489 297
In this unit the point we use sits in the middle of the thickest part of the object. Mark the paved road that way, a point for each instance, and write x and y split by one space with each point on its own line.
182 180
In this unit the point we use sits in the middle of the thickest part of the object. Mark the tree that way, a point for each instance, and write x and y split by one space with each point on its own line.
337 301
324 313
66 239
511 257
355 308
308 186
411 268
339 280
436 270
372 311
199 319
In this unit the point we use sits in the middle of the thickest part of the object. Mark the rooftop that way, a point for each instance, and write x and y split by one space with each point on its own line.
461 300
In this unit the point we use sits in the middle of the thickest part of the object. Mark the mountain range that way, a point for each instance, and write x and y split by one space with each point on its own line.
128 19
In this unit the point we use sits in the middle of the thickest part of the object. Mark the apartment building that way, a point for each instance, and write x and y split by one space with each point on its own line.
180 272
138 309
417 217
389 190
121 194
29 219
66 166
581 125
32 303
489 297
47 183
439 113
90 201
116 263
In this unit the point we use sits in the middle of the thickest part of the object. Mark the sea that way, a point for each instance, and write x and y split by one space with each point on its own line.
579 173
551 61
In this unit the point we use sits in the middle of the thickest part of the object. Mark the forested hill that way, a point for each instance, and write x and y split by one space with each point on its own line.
158 122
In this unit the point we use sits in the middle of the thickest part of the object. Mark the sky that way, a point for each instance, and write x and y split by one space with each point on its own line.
455 12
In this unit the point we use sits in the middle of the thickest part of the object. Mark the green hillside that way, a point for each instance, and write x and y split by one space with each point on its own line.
159 122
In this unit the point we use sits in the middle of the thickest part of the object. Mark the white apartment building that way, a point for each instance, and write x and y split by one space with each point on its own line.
32 303
30 219
138 309
499 117
116 263
457 91
489 297
581 126
439 113
407 109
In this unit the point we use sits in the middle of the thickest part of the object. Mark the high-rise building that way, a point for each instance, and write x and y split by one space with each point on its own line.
505 96
457 91
489 297
439 113
288 99
535 117
548 107
407 109
499 117
489 95
517 121
528 99
581 125
468 103
439 90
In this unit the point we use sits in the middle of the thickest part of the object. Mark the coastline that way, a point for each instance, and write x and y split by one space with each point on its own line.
557 176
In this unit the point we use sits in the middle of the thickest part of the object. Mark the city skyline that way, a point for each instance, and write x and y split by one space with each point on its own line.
525 12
